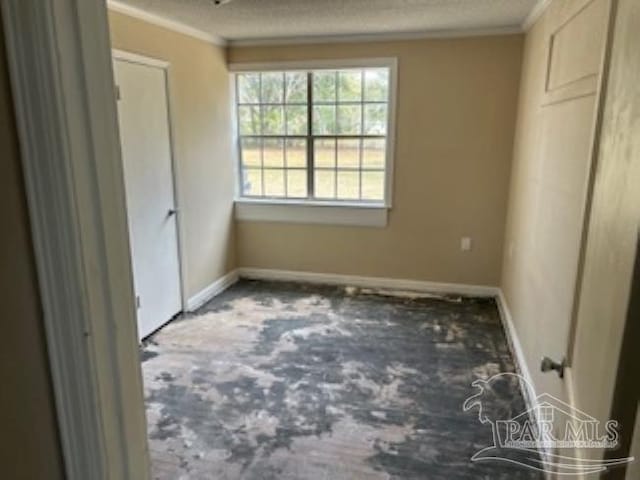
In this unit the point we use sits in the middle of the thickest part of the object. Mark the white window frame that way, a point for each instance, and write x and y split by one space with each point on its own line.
337 212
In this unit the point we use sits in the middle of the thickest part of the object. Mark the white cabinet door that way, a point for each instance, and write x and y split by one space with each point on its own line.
143 116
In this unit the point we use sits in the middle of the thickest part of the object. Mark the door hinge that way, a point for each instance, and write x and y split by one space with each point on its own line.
117 88
138 302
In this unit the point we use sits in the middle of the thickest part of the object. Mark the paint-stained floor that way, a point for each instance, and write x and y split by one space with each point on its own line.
300 382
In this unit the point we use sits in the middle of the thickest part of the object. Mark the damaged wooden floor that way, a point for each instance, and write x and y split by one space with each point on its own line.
299 382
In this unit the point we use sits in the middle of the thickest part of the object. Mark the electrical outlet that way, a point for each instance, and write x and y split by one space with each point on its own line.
465 244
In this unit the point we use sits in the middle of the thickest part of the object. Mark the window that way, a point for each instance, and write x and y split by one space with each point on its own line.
319 134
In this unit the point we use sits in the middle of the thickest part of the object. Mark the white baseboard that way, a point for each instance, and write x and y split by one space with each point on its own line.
220 285
207 293
522 366
369 282
514 340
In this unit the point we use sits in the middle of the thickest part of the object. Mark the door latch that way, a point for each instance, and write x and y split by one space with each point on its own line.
547 365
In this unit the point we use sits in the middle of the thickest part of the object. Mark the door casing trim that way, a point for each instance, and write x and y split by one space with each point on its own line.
61 74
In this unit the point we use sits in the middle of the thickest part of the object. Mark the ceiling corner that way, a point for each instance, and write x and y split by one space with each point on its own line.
164 22
536 12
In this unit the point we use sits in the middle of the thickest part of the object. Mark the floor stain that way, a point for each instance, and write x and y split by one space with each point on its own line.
305 382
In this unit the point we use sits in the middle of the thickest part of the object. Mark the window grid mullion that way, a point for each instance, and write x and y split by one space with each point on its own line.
274 104
318 102
280 168
261 110
336 81
239 140
310 145
285 174
327 137
335 168
361 142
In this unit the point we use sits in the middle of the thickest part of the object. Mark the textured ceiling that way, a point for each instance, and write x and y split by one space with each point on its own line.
265 19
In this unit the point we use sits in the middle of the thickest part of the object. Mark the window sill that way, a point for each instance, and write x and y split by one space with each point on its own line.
310 212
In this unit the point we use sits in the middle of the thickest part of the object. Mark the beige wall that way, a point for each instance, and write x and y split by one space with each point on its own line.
613 227
199 99
29 447
456 110
550 180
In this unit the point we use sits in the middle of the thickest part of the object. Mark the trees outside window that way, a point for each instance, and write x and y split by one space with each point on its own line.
314 134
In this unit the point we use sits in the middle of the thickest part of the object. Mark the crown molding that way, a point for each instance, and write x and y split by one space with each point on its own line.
373 37
121 7
535 13
160 21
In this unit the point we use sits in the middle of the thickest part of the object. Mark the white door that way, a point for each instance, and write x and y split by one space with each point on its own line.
143 116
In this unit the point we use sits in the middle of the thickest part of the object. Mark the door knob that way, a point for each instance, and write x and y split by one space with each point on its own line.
172 211
547 365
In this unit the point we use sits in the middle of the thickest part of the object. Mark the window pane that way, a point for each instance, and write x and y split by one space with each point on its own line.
296 152
274 183
249 120
250 152
348 185
272 120
324 86
273 154
252 182
373 153
375 119
349 119
296 87
324 154
349 86
348 153
273 87
296 119
249 88
296 183
325 183
324 120
372 185
376 85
